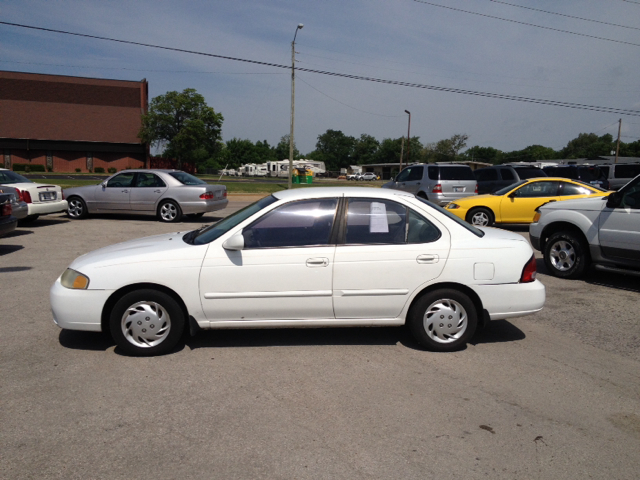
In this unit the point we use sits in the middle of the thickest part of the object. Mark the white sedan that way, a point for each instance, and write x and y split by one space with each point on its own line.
317 257
41 199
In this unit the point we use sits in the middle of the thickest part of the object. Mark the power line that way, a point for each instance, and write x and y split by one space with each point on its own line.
618 111
528 24
564 15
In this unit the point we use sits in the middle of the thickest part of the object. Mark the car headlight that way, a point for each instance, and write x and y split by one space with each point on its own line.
452 206
75 280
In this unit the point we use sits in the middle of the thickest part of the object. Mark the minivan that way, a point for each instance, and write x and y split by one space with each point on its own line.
439 183
491 179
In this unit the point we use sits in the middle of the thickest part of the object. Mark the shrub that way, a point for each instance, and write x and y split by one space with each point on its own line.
28 167
49 169
112 169
78 170
98 170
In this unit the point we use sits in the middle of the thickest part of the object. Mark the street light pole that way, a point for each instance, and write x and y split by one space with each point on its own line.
293 100
408 140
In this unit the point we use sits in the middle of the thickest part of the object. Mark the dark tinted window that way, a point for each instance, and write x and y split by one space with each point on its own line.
121 180
507 174
376 221
458 220
486 174
605 171
456 173
295 224
421 230
187 179
538 189
588 174
571 189
415 174
433 173
631 197
403 176
529 172
7 176
627 171
144 179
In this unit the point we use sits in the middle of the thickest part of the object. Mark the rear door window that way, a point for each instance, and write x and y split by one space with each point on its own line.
375 221
486 175
433 173
627 171
507 174
567 189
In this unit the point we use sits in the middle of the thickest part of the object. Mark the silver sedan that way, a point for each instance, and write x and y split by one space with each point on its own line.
167 194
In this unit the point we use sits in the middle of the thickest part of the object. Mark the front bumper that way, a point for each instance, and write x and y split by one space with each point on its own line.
77 309
512 299
45 208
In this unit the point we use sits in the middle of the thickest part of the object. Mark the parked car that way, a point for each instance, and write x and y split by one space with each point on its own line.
41 199
368 176
19 207
353 176
602 231
591 174
167 194
289 260
491 179
7 221
619 174
517 203
439 183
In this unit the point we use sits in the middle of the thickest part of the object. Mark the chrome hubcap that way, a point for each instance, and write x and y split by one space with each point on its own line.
146 324
75 208
445 321
480 218
168 211
562 255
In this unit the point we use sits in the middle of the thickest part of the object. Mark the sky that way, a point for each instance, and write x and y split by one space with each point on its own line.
397 40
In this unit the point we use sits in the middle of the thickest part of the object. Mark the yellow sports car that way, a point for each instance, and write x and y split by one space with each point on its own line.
517 203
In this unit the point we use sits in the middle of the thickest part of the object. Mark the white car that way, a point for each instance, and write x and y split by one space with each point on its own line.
317 257
41 199
368 176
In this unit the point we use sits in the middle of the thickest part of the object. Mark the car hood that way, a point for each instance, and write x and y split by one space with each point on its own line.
142 250
585 204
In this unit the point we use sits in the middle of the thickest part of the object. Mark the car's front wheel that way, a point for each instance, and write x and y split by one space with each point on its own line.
565 255
169 211
443 320
77 208
480 217
147 322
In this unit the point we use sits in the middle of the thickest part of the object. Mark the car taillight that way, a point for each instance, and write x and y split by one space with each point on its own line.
65 199
529 271
26 196
476 192
20 197
225 194
206 196
437 189
6 209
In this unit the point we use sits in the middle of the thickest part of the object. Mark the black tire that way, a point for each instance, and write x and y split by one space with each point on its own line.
423 195
77 208
436 333
28 219
195 215
566 255
169 211
146 322
481 217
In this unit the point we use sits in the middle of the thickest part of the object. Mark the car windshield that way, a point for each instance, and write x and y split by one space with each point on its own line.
7 176
506 190
187 179
459 221
210 233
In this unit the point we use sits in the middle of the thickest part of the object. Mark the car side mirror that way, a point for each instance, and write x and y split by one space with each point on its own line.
614 200
235 242
512 195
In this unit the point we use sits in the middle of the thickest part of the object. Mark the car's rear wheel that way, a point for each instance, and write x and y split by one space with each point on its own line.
146 322
77 208
481 217
565 255
443 320
169 211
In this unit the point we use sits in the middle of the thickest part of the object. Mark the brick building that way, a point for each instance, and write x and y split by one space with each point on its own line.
65 123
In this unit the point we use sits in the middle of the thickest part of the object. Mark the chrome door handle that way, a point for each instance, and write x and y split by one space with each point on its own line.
125 191
427 259
317 262
157 191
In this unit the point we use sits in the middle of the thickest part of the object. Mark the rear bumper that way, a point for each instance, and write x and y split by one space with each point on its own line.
203 206
511 300
443 198
45 208
20 211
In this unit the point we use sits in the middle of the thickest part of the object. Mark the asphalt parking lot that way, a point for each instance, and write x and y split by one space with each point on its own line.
554 395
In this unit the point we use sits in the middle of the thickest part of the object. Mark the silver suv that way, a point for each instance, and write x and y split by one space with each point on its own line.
439 183
603 231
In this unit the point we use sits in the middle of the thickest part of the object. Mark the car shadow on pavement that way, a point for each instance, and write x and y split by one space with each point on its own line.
14 269
150 218
77 340
619 281
7 249
18 233
498 331
43 222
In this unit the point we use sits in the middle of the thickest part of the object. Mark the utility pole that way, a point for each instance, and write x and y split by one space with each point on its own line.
618 144
293 100
401 153
408 137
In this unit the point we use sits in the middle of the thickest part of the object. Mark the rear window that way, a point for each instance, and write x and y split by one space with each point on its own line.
627 171
456 173
187 179
530 172
7 176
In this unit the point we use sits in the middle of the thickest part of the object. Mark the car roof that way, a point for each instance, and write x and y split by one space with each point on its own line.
325 192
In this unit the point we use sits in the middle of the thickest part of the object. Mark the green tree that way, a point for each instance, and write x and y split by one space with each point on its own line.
365 149
265 152
589 145
483 154
531 154
445 150
183 123
335 149
282 149
239 152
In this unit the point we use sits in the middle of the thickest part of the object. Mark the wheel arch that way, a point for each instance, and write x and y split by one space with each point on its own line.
161 200
475 207
77 195
118 294
482 315
561 227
